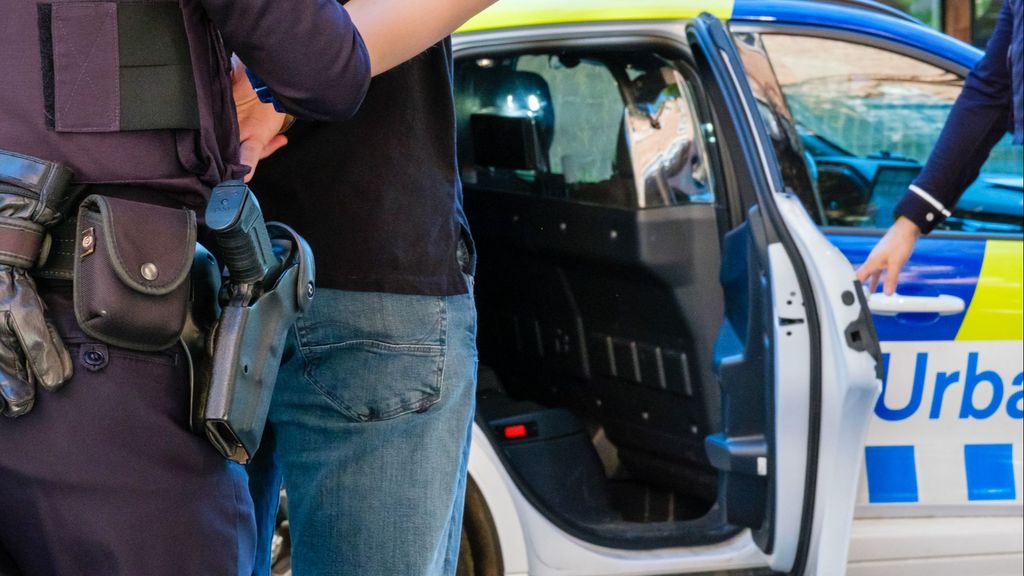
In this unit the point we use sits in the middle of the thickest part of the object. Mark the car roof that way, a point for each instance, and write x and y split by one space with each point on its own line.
861 16
519 13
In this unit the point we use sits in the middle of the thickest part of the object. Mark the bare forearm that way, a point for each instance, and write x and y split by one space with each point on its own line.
396 30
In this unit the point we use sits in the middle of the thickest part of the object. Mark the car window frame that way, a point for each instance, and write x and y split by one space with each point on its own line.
659 35
903 49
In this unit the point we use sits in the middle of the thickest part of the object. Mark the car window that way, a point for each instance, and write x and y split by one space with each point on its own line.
869 118
614 129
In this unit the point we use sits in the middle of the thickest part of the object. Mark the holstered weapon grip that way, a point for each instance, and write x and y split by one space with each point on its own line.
247 346
234 217
235 387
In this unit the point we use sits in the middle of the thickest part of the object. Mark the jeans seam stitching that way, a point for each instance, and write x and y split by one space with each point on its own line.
338 404
308 376
238 522
442 305
382 346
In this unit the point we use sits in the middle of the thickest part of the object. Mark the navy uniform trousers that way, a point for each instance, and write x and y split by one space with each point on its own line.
104 478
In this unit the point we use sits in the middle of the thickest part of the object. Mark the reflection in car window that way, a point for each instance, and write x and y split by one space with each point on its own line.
615 129
589 112
869 118
795 166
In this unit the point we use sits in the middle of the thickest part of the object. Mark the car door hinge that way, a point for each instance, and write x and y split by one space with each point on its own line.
860 334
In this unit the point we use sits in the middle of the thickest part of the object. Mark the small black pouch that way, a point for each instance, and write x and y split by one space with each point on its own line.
131 263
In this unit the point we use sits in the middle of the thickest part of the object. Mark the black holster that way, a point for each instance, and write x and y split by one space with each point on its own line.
234 370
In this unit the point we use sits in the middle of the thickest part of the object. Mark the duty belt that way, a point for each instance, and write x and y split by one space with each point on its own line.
59 261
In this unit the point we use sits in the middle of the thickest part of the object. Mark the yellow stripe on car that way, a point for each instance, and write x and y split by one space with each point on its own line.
996 308
516 13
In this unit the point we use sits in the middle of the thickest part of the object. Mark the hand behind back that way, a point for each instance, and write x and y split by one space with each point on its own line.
259 124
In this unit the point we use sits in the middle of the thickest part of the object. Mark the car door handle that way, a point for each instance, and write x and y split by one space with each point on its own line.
943 305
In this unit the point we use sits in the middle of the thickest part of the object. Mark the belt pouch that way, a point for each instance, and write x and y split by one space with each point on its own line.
131 265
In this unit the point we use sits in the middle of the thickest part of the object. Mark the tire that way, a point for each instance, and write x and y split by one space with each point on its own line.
479 551
281 545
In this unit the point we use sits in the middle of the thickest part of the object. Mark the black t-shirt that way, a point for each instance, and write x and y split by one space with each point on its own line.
378 197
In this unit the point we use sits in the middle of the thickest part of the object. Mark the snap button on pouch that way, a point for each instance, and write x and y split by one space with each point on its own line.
149 271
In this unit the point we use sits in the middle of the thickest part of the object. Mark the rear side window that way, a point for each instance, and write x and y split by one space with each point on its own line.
869 118
612 129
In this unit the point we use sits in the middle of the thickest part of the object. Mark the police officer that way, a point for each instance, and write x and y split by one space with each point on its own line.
130 104
991 103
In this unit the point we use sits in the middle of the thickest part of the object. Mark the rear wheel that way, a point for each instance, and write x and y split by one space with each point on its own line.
281 545
480 551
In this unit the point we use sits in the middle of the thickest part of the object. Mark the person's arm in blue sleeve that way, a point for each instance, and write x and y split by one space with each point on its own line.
979 119
308 52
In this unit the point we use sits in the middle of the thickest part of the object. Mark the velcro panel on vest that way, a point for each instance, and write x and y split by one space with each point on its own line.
157 87
86 96
114 67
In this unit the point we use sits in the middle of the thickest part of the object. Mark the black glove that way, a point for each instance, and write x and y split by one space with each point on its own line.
30 349
34 195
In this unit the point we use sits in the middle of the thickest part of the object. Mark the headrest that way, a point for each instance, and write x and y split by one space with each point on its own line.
528 94
511 143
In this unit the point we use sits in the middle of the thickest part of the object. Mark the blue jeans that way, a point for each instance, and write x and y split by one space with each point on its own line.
371 417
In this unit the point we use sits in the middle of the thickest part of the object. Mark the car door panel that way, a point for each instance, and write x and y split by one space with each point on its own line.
945 437
759 346
948 418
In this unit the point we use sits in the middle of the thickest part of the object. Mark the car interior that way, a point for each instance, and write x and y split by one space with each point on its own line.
591 195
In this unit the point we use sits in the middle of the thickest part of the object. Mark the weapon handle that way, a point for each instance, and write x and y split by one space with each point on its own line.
235 218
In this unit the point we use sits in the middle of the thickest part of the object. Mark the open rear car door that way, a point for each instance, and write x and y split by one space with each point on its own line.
797 357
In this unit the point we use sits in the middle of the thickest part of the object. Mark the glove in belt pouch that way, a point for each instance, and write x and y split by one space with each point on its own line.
131 265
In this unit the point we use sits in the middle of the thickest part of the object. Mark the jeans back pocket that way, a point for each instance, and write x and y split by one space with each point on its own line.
375 356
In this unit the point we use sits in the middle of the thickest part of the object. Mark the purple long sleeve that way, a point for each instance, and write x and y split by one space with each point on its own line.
308 52
979 119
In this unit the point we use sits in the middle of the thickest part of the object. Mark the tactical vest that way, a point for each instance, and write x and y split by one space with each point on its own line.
132 93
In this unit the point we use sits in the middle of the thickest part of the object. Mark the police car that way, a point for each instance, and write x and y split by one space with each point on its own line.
678 370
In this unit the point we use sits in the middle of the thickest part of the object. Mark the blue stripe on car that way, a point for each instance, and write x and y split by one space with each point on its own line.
990 472
892 474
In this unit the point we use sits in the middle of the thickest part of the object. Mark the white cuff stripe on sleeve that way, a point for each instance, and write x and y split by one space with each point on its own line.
931 200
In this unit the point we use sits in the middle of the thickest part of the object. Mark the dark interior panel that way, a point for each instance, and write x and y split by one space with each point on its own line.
590 192
612 312
551 455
